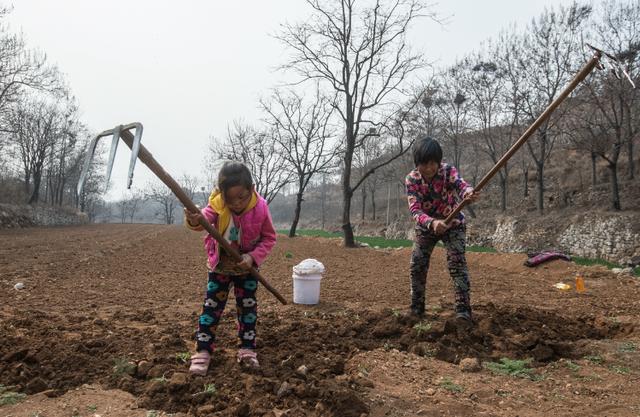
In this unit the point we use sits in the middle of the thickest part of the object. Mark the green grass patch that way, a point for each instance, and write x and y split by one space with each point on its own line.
8 397
422 327
619 369
122 366
627 347
512 367
209 389
574 367
183 357
595 359
313 233
374 241
590 262
450 386
609 265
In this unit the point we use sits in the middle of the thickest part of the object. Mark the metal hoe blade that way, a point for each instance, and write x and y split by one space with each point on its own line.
115 134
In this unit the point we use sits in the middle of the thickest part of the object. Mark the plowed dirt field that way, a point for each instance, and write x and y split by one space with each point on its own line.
108 314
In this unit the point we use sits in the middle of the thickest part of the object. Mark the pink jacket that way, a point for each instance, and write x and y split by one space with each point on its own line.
257 233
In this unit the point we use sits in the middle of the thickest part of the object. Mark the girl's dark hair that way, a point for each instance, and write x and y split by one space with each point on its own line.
232 174
426 149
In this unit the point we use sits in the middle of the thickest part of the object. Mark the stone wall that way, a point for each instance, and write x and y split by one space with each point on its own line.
12 216
614 237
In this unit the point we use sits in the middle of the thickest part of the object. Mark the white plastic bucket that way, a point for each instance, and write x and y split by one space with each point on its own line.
306 281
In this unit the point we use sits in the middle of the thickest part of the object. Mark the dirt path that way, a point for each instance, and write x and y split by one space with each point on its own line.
108 313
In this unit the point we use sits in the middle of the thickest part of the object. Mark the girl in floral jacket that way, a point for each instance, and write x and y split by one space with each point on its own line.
433 190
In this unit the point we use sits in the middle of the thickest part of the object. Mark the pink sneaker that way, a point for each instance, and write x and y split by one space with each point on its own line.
248 358
200 363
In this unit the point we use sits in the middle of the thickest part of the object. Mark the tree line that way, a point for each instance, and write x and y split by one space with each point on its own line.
361 96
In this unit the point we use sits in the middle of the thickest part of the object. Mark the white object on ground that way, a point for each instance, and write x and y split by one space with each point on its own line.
19 286
306 281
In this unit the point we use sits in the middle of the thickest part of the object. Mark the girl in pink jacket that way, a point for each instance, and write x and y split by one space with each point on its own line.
242 217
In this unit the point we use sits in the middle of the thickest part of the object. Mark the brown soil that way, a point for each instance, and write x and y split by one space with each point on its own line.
108 309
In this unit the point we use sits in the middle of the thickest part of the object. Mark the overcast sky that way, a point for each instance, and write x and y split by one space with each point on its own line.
186 69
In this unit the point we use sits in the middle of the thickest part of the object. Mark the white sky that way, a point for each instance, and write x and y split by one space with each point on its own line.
186 69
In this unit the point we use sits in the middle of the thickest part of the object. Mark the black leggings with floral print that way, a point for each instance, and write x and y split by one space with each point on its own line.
244 287
454 242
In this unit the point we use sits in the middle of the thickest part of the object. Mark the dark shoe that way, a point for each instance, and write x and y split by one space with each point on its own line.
464 315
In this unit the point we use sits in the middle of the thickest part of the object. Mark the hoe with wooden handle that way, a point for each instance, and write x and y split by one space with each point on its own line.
140 152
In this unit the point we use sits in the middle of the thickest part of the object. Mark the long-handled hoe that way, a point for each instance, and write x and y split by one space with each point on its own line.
139 151
594 62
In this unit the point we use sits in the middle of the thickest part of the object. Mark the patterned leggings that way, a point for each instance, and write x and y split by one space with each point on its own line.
244 287
454 242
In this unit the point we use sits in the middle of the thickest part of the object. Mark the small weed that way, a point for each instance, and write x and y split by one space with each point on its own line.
503 393
511 367
573 366
622 370
437 308
396 313
363 370
36 414
92 408
162 379
627 347
596 359
183 357
288 255
123 366
450 386
210 389
11 397
152 413
421 327
388 346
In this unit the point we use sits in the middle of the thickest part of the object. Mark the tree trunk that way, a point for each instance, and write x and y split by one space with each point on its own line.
35 195
398 186
525 182
324 197
388 204
296 216
373 204
349 241
615 194
503 193
593 169
347 192
364 203
631 168
540 181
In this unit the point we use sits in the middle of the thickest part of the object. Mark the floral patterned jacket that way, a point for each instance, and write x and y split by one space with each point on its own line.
435 198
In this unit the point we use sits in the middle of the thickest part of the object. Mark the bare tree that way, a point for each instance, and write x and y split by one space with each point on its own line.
363 56
22 69
129 204
617 30
453 106
159 193
259 151
303 133
485 86
36 125
545 63
60 166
